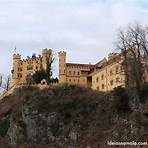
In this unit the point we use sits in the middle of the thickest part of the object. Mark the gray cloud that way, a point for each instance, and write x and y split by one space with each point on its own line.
86 28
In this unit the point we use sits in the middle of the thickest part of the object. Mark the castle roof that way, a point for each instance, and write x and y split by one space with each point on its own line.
82 65
101 63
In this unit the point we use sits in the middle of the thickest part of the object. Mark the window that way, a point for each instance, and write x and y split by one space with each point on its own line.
19 69
117 69
102 77
78 73
97 87
97 80
111 72
111 82
30 67
69 80
117 80
102 86
19 75
74 73
69 72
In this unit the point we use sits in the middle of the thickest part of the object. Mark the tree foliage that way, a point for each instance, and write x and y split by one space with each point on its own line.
121 100
44 74
39 76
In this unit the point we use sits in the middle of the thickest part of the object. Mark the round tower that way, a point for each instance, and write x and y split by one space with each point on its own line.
16 60
62 67
46 57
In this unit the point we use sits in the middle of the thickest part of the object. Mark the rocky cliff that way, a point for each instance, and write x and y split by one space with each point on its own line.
68 117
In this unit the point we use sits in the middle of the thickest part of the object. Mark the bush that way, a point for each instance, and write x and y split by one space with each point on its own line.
141 119
144 93
39 76
4 125
121 100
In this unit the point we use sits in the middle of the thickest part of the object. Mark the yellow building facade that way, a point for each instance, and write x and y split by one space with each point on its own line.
103 76
24 67
73 73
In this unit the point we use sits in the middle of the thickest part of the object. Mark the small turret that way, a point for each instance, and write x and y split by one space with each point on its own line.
62 67
46 57
16 60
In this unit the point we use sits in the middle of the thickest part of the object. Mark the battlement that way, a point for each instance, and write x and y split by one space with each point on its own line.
62 53
16 56
46 50
32 59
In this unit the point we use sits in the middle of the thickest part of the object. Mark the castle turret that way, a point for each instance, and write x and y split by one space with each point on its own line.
62 67
46 57
16 60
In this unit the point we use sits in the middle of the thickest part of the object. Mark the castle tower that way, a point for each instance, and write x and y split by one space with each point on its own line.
46 57
16 61
62 67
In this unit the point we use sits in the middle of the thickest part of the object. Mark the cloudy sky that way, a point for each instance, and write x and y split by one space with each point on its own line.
86 29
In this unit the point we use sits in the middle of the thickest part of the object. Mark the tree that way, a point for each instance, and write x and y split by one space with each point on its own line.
133 44
1 78
29 79
49 71
38 76
5 82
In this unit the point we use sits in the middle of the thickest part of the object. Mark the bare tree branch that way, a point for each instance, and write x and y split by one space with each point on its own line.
133 44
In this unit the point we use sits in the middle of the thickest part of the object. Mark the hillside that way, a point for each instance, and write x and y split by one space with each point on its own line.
70 117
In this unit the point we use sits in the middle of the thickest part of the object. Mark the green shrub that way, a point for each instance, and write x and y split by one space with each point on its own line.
121 100
39 76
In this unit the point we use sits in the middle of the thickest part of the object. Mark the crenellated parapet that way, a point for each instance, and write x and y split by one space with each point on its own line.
16 56
62 53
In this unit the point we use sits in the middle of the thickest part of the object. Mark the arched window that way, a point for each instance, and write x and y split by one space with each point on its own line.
117 69
117 80
111 82
102 77
69 72
97 80
111 72
97 87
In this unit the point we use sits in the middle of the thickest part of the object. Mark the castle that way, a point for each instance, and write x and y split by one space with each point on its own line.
103 76
24 67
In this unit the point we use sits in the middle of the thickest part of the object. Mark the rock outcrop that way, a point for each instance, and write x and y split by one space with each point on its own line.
70 117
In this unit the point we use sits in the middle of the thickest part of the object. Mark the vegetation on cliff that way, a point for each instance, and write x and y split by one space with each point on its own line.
71 116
